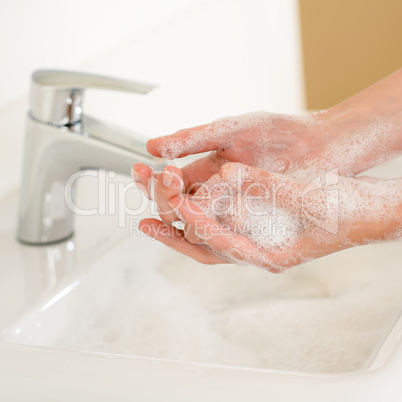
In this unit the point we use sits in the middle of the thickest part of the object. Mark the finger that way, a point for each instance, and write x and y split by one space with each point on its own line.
234 247
203 198
251 181
369 179
141 174
168 184
204 138
191 236
215 235
198 172
240 173
173 238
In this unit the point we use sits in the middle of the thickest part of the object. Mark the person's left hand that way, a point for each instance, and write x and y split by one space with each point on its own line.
244 214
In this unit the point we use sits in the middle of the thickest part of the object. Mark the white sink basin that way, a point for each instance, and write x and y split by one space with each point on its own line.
142 299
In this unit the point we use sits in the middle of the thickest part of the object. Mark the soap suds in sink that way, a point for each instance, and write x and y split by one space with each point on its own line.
331 315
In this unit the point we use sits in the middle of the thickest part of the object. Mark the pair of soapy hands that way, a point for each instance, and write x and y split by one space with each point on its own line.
256 152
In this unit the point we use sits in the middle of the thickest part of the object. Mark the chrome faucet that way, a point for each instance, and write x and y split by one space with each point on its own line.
61 141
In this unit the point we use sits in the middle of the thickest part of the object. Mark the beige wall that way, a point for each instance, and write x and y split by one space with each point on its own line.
348 45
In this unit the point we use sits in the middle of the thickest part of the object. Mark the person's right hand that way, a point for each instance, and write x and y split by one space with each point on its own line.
272 142
275 143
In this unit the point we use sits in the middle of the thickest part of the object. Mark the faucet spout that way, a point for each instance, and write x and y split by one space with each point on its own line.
53 153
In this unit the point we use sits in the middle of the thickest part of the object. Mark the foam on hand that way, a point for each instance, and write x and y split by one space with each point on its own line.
270 228
222 132
281 143
318 210
365 147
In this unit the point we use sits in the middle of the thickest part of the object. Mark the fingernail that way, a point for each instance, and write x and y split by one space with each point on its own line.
167 178
143 189
134 174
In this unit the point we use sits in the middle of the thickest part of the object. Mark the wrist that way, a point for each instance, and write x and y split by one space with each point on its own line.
367 128
380 102
381 216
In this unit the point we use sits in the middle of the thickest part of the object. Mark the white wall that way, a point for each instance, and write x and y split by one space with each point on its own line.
210 57
64 34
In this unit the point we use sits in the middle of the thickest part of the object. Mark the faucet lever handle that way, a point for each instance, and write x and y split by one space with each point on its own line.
56 95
